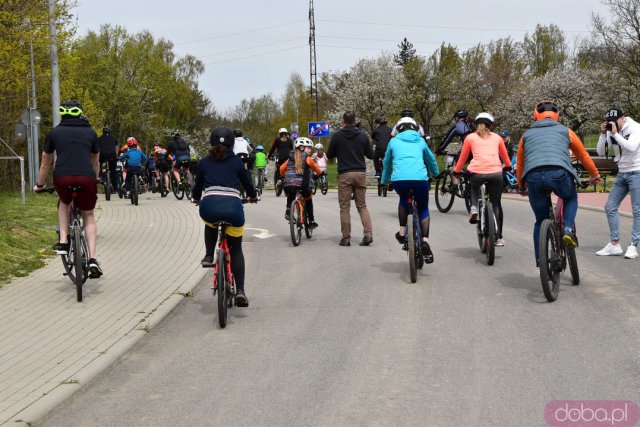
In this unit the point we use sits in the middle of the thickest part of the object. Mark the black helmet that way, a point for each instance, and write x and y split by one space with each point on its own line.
106 129
380 121
175 134
406 113
461 113
222 135
237 133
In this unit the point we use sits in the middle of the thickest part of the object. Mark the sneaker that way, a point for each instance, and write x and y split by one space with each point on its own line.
366 240
610 249
313 225
127 195
473 215
399 238
207 261
376 175
345 242
631 253
286 214
94 269
241 299
426 252
61 248
500 242
569 238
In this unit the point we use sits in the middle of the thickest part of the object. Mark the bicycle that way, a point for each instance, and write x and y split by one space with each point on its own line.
382 188
223 284
446 191
278 180
105 178
486 226
120 179
76 262
135 188
260 181
320 181
182 187
298 219
554 254
413 239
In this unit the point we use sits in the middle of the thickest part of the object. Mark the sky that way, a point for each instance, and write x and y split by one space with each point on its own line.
251 48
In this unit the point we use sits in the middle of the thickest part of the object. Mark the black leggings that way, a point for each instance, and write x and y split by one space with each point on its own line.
308 201
235 250
494 186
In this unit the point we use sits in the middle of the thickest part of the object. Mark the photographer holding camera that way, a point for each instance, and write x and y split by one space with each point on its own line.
623 134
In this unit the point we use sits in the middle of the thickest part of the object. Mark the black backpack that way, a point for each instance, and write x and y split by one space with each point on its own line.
182 145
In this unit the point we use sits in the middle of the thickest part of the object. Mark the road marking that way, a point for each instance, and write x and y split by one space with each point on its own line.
263 232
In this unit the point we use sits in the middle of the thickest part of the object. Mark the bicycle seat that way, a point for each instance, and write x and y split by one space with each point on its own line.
75 188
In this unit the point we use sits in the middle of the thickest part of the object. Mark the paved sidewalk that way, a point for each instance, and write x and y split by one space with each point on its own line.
50 345
591 201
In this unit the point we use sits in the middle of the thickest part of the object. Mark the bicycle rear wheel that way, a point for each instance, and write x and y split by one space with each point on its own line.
315 186
176 188
324 185
295 223
413 272
444 198
78 262
221 288
466 192
106 182
548 253
136 192
307 230
573 265
490 239
480 228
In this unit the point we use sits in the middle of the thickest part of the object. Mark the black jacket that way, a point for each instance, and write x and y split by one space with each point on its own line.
381 137
229 173
108 145
350 146
283 148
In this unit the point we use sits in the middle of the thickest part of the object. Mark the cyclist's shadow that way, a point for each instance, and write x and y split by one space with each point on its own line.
530 283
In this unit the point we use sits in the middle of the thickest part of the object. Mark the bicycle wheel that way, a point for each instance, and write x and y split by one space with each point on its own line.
413 272
77 260
490 238
444 199
278 186
548 252
315 186
260 182
120 186
324 187
573 265
221 288
385 188
136 191
106 182
187 184
466 192
480 228
307 231
295 223
176 188
418 240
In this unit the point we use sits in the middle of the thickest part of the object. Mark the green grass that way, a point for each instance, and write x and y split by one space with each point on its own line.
26 233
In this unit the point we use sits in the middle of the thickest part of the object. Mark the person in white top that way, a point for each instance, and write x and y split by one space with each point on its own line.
320 157
622 133
241 147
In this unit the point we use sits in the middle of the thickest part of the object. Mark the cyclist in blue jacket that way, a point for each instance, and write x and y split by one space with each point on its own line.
408 163
135 159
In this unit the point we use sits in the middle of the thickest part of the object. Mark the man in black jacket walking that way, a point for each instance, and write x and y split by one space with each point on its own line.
350 146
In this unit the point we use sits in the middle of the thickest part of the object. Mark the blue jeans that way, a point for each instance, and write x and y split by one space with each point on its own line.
625 183
561 182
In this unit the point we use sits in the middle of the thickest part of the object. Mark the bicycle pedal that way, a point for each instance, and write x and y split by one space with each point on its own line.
405 247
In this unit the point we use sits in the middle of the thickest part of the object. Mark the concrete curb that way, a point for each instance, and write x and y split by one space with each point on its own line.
585 207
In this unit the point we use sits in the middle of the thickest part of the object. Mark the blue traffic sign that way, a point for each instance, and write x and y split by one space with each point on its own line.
294 135
320 129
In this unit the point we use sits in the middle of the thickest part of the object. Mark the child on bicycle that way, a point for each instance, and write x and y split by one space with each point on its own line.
261 161
297 176
320 157
486 168
135 159
219 176
409 163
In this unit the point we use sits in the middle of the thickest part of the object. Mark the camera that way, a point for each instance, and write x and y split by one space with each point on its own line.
609 127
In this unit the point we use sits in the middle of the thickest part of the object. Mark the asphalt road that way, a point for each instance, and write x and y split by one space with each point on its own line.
339 336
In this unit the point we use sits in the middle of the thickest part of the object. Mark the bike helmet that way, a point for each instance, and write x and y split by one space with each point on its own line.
156 144
504 133
283 131
71 108
175 133
546 110
318 146
222 135
408 112
380 121
460 114
131 141
106 130
485 118
303 142
406 123
259 147
237 133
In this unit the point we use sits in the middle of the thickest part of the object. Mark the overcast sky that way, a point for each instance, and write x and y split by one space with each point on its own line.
250 48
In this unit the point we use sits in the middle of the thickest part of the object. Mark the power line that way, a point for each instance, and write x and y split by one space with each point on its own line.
257 54
238 33
386 40
252 47
438 27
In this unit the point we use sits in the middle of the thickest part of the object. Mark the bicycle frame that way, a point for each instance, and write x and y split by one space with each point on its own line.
221 245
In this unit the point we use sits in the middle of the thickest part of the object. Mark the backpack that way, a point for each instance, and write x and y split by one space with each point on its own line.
182 145
470 123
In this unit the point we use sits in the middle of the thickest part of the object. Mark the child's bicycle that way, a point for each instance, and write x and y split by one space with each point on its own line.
320 181
298 219
76 262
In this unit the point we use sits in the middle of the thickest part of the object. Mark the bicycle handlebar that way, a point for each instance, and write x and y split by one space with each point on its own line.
49 190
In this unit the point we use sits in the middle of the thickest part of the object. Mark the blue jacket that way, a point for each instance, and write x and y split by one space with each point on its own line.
134 157
410 159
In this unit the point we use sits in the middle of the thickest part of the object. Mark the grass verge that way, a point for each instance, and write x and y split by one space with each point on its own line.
26 233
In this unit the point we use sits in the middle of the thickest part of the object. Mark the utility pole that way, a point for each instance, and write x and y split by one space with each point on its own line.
312 57
34 128
55 78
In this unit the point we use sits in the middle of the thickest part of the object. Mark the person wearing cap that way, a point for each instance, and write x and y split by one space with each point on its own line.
282 145
622 133
543 163
218 179
489 154
379 139
462 127
506 139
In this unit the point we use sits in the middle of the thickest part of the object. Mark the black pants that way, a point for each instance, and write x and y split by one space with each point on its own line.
308 201
276 173
235 250
112 163
377 163
493 184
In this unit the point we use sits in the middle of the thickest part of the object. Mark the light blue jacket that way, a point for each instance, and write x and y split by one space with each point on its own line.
409 158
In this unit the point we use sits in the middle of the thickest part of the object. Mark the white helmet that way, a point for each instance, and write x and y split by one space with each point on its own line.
318 146
303 142
485 118
406 123
283 130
